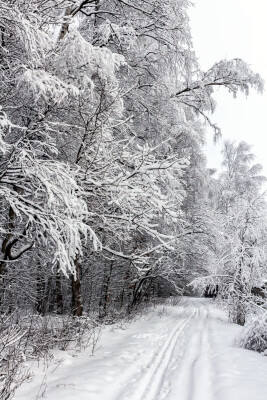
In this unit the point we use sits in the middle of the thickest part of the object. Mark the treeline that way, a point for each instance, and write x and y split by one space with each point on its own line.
105 197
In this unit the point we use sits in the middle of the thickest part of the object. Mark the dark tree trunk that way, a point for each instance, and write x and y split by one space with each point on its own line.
40 291
105 293
77 305
137 294
5 251
59 296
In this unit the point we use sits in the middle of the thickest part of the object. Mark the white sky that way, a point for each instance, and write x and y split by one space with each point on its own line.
234 29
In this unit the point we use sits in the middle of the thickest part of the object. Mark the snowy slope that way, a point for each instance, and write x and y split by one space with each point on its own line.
184 353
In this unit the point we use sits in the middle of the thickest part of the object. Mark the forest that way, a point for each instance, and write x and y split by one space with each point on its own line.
106 201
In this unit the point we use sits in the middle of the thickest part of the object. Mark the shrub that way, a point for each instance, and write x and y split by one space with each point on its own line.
254 334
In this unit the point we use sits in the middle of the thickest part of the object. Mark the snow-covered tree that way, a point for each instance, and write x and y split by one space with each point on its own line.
237 263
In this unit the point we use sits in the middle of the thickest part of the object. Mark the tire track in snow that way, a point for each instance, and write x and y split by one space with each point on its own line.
193 375
149 384
197 371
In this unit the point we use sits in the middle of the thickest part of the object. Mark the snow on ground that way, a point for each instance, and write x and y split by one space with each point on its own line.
185 352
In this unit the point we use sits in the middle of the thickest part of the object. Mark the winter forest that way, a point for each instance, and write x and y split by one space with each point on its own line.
107 205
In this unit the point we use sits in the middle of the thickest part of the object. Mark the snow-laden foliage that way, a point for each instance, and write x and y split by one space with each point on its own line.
234 75
44 86
21 35
79 61
47 203
125 34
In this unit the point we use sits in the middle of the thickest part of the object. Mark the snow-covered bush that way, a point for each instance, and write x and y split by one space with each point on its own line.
32 338
12 373
254 334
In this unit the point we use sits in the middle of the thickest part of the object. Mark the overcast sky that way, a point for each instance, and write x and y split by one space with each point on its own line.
234 29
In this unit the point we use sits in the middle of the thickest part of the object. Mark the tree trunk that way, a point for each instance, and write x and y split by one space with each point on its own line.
104 296
77 305
40 291
5 251
65 25
59 296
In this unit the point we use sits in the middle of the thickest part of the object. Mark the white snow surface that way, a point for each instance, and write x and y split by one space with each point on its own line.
182 352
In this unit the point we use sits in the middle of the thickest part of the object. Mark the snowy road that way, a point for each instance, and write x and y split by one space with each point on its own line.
183 352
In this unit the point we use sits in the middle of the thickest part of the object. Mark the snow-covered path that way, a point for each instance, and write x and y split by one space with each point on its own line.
183 353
